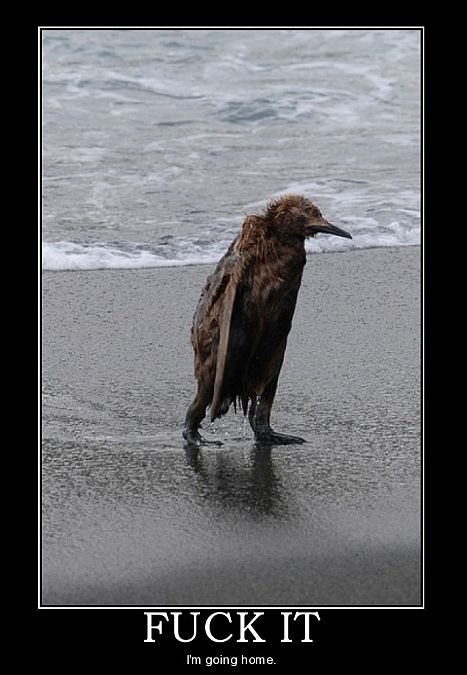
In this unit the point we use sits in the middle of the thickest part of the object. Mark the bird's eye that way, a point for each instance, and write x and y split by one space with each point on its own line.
300 220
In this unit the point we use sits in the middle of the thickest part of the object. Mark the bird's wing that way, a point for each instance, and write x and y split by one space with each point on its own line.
211 302
224 338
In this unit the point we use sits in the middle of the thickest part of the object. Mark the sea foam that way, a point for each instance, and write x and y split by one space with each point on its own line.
65 255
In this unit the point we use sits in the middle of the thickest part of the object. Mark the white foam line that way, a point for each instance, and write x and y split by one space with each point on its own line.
62 256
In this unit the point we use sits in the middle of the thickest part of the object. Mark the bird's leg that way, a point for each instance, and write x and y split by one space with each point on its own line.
194 416
252 411
259 418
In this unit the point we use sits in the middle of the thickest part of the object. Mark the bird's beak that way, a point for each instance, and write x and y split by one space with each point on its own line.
327 228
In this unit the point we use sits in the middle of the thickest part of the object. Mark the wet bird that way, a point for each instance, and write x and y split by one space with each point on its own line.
244 316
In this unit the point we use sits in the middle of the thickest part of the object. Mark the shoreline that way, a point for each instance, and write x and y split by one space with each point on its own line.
214 263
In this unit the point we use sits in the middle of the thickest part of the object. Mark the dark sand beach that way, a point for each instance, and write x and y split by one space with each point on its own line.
130 518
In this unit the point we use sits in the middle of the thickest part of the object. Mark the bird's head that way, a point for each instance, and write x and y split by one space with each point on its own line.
297 217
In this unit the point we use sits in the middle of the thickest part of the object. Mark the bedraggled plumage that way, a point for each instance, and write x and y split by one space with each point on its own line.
244 316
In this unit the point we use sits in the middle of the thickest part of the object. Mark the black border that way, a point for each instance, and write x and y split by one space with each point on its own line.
346 628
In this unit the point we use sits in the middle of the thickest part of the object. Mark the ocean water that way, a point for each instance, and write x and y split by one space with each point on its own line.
157 143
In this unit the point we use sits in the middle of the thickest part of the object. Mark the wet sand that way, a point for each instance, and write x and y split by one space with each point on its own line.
130 518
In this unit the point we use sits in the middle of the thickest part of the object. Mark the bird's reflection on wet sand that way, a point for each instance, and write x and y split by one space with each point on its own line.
255 488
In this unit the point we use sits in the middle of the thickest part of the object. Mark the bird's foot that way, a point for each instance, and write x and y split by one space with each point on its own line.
194 439
270 437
